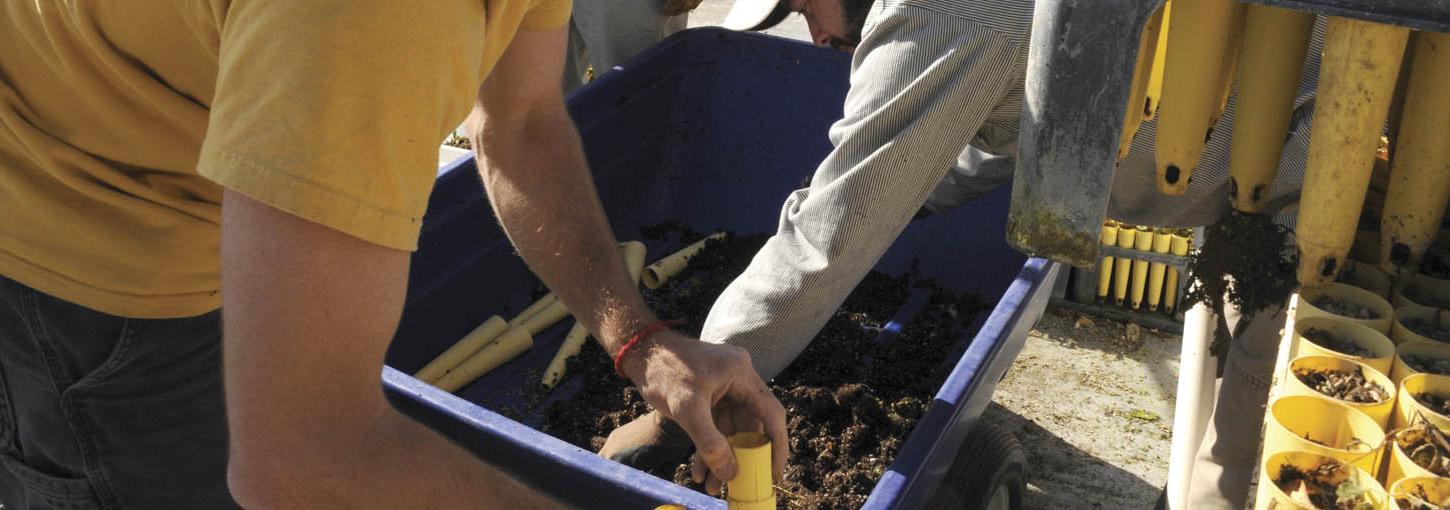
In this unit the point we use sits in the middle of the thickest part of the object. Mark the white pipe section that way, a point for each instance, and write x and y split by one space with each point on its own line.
1194 404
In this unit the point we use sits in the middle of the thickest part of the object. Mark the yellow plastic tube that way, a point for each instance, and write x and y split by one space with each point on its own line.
1271 497
1382 350
633 253
1384 313
1356 81
1430 350
1179 246
1407 408
1420 174
662 270
534 309
752 488
1160 57
1403 335
1138 89
1366 276
1433 488
1162 241
1378 411
1280 39
1200 33
1126 236
1105 267
508 346
471 343
1325 427
1143 241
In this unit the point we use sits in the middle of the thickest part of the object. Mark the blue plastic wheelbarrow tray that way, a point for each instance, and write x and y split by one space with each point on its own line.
711 129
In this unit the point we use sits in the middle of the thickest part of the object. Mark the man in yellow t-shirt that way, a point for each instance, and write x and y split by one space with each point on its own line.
161 159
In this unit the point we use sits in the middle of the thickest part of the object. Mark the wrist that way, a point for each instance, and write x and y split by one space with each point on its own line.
632 357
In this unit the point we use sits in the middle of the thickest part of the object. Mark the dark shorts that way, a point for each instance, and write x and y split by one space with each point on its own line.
99 411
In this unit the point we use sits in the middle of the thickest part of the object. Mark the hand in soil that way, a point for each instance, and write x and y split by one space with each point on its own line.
1437 403
1317 488
1343 308
1427 364
1427 328
1347 385
1328 340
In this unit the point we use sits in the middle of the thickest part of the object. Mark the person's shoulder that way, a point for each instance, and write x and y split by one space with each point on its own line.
1010 18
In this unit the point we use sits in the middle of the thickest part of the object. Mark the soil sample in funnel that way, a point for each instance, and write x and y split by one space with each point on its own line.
1436 403
1343 308
1318 488
1428 328
1427 364
1424 297
1426 446
1346 385
1328 340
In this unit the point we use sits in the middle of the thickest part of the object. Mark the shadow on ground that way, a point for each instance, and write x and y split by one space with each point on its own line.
1061 475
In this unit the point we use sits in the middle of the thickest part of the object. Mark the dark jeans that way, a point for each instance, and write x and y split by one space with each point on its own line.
99 411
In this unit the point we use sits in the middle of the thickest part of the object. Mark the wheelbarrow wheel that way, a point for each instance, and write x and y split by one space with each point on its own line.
990 473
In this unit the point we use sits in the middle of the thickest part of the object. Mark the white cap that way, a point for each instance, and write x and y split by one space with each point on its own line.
749 14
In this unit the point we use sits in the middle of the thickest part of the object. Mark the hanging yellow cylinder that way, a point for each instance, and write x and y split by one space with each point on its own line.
1280 39
1126 236
1143 242
1420 173
1105 267
1356 80
1162 241
753 487
1178 246
1199 37
1142 72
1160 55
471 343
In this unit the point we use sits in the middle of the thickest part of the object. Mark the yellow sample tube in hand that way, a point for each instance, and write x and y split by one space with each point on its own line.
1162 239
1143 241
1126 235
471 343
752 488
1105 267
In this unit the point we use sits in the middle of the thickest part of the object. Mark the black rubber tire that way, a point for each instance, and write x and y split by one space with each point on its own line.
989 457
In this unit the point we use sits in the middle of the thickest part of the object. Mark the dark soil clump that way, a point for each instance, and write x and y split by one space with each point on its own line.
1427 364
1246 261
1328 340
1432 329
1437 403
1318 487
1343 308
1350 386
851 400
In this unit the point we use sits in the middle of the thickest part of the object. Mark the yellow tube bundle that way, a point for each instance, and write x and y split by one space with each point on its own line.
1420 175
1279 39
1356 80
1200 52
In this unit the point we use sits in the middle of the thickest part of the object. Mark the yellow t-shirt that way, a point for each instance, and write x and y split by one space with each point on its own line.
120 122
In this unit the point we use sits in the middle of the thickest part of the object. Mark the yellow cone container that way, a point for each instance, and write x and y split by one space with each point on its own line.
1399 466
1270 497
1403 335
1366 276
506 347
1142 242
662 270
1382 359
1105 267
1357 77
1432 350
1270 71
1422 290
752 488
1384 313
1126 237
1378 411
1178 246
471 343
1432 488
1162 241
1325 427
1407 408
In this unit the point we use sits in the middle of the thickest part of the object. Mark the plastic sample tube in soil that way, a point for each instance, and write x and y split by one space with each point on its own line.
1105 266
1330 336
1408 407
1325 427
1346 302
1422 290
1366 276
1162 241
506 347
1282 466
1357 76
1420 357
633 253
1142 242
471 343
1314 366
1420 173
662 270
1178 246
1126 236
1414 323
1269 81
752 488
1427 491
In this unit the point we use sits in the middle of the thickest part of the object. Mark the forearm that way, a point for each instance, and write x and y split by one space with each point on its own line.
543 195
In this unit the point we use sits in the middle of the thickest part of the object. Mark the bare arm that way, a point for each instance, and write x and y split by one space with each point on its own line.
309 312
539 184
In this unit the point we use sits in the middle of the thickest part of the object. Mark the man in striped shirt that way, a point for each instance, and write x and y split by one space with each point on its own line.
931 121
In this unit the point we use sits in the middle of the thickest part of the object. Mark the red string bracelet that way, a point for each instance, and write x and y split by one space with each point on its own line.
637 337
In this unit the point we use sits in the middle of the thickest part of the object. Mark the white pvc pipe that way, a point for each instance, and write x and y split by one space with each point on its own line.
1194 404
